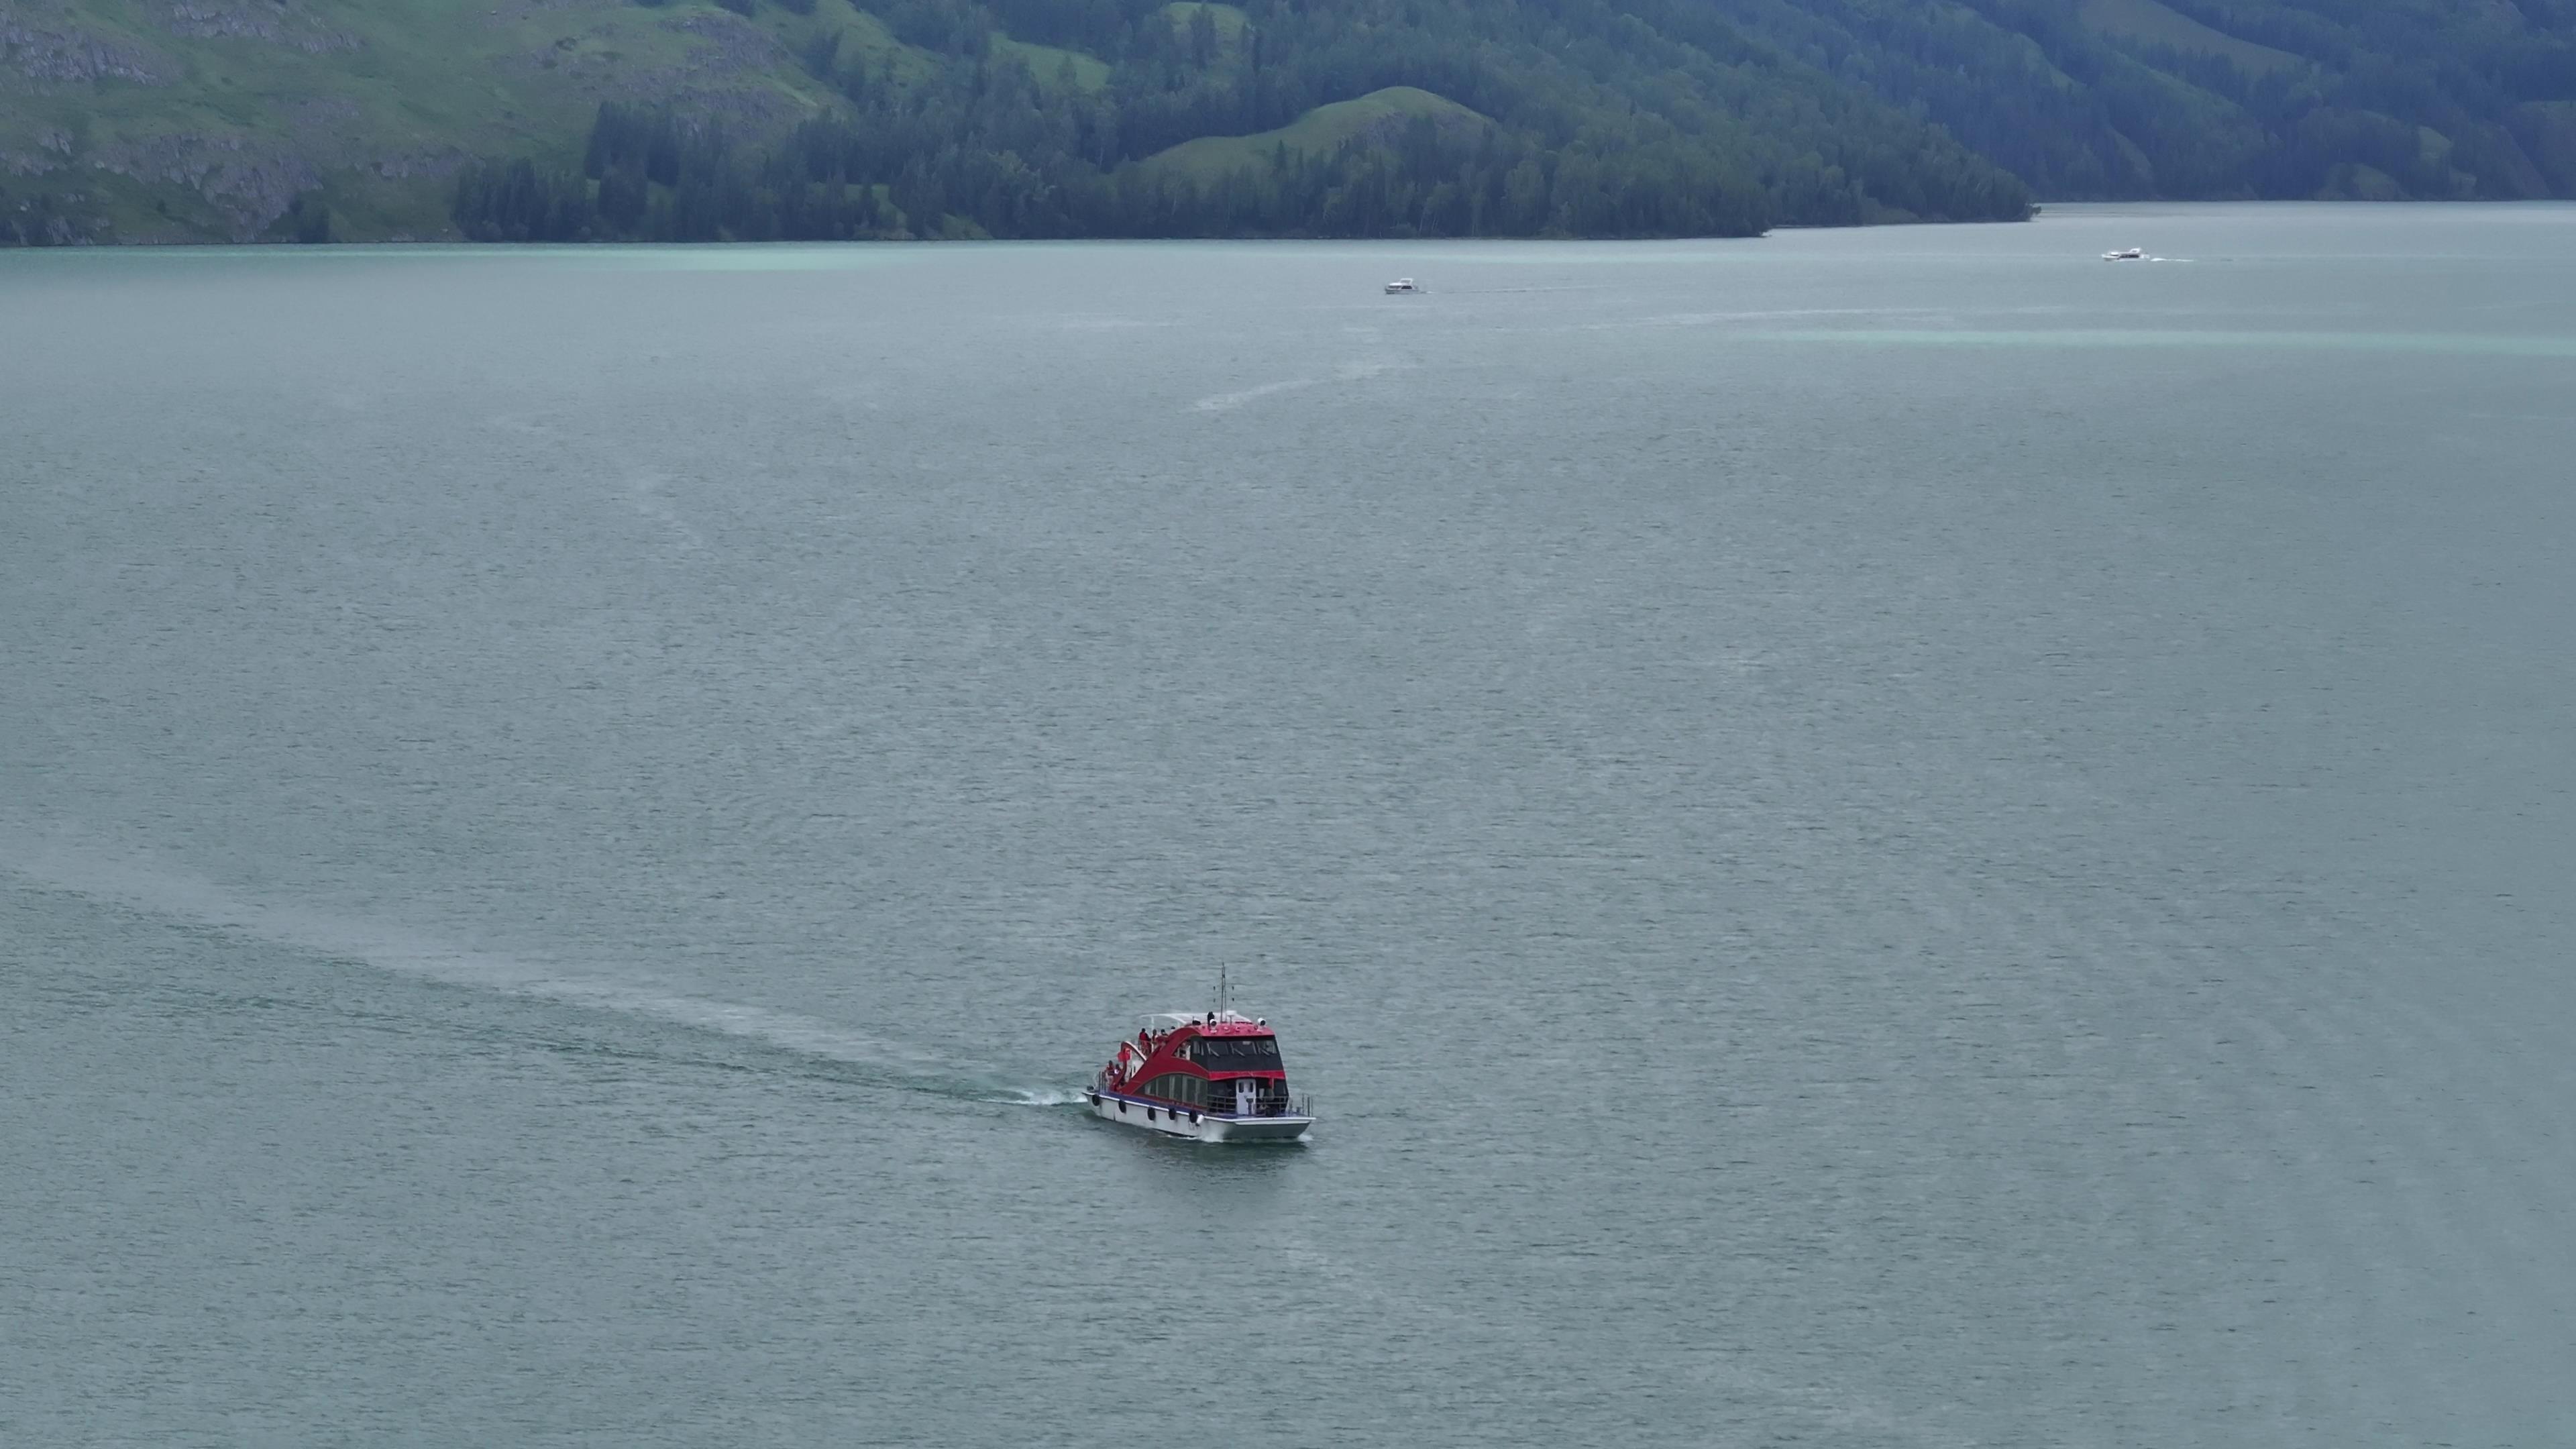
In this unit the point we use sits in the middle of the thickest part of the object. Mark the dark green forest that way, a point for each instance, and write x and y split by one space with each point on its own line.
2364 99
1600 118
712 119
1588 121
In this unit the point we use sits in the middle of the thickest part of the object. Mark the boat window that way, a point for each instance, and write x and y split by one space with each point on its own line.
1239 1053
1178 1087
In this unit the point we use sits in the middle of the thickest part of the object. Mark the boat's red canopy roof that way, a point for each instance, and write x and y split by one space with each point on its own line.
1166 1034
1207 1023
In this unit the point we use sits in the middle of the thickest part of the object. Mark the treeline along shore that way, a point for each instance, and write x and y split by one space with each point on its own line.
701 120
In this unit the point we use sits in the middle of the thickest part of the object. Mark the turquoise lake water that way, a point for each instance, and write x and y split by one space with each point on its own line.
1899 837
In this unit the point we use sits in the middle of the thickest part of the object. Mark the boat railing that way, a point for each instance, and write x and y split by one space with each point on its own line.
1284 1104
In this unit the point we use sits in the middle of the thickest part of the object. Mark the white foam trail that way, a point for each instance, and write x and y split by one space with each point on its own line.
645 494
142 885
1711 319
1226 402
1368 367
1081 322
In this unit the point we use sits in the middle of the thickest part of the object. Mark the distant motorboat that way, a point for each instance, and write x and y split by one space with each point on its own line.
2125 254
1401 284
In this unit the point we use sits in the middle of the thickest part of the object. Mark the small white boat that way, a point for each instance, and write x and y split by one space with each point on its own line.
1401 284
1214 1076
2125 254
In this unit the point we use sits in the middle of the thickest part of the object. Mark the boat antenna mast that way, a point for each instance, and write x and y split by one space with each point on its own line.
1220 989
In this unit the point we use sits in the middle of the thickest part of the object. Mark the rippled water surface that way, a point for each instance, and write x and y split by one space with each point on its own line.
1883 838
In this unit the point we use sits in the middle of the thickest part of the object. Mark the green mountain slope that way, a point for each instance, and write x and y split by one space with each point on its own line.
2431 99
153 120
144 120
1383 115
167 120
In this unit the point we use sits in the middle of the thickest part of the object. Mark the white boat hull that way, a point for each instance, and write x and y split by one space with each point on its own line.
1199 1126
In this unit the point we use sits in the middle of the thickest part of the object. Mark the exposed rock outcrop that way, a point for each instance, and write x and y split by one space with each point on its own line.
266 20
61 52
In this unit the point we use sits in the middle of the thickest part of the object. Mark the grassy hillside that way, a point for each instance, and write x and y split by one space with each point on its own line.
1382 114
1054 66
209 118
2152 23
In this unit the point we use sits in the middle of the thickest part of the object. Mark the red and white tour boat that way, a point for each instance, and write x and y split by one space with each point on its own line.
1213 1075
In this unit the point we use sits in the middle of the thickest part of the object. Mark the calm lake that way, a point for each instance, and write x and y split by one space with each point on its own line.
1900 837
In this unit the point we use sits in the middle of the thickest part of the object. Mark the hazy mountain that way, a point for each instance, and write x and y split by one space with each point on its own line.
2376 99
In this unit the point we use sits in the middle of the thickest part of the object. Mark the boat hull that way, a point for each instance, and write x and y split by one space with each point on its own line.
1198 1126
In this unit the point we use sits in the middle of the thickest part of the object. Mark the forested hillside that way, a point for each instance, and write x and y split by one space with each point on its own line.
2370 99
816 118
154 120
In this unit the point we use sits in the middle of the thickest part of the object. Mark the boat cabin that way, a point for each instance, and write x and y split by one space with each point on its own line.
1219 1062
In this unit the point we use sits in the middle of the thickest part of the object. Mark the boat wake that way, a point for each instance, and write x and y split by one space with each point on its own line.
825 1049
1226 402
